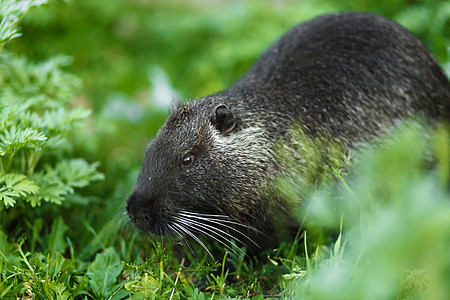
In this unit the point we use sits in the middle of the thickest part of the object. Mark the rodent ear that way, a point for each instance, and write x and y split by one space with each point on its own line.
223 119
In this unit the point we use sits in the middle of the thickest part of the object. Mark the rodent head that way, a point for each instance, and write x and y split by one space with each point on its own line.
204 173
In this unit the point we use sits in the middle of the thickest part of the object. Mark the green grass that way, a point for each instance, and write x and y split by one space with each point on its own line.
77 107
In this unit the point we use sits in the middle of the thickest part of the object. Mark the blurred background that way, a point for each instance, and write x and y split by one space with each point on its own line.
135 56
96 77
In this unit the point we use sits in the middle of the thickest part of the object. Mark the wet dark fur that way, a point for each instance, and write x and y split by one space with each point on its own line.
348 76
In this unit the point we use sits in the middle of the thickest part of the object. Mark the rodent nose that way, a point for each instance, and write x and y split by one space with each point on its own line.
142 220
139 215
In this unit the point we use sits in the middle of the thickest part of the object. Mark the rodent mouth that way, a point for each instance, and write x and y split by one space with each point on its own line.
148 224
147 219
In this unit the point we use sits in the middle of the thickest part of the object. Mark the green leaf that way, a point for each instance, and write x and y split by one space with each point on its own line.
14 186
61 180
18 7
7 28
7 198
15 138
121 294
11 11
52 189
61 120
76 172
56 240
103 272
19 183
7 250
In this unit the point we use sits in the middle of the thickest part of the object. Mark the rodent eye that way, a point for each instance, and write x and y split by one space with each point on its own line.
188 159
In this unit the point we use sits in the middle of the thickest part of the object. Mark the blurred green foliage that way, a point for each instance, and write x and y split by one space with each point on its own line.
62 231
395 214
204 46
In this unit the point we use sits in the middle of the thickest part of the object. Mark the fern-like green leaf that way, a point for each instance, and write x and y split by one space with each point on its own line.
59 181
76 172
52 189
7 28
7 197
61 120
11 11
15 138
14 186
36 87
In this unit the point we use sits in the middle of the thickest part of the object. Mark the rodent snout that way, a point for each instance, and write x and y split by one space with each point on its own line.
139 215
147 214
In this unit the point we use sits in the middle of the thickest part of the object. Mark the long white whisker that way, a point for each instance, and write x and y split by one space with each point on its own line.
221 218
219 222
183 239
124 223
182 228
174 230
213 230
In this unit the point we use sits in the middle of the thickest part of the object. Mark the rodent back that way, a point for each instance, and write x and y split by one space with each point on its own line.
349 75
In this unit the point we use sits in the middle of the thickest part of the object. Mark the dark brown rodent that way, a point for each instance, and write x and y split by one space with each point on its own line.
211 168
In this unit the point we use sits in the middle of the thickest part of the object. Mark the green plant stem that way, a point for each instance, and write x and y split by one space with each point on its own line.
176 279
33 161
23 161
8 166
161 273
300 233
3 216
308 262
24 257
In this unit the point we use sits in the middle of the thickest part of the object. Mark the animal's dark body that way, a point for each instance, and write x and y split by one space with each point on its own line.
346 76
